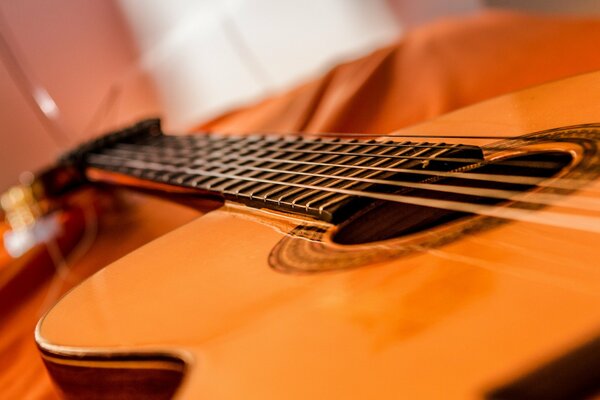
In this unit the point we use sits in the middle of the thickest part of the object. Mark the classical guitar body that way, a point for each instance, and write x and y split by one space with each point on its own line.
253 303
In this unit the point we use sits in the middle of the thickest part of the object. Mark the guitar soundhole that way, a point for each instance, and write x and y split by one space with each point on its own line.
383 220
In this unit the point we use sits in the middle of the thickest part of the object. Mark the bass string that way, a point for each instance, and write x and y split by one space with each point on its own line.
241 142
527 164
399 135
363 135
212 139
552 218
410 135
575 201
161 143
304 138
557 183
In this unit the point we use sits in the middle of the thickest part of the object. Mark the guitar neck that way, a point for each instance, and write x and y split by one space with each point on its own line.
322 178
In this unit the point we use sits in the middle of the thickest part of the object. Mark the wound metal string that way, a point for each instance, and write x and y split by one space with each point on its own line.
557 183
575 201
570 221
246 147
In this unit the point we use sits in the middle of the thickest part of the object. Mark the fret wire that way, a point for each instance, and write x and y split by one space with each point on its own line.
559 183
586 223
400 135
318 145
372 174
257 173
343 158
365 143
155 145
543 198
252 187
309 173
303 168
338 135
456 160
321 169
300 138
530 164
387 143
377 163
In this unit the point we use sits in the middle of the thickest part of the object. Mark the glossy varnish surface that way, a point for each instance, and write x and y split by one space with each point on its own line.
127 222
452 322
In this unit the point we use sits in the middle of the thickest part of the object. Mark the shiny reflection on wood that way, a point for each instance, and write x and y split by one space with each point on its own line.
446 316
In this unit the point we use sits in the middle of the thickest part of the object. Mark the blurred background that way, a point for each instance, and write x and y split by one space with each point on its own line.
71 69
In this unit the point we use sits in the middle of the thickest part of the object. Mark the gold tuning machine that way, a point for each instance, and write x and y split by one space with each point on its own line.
24 211
22 205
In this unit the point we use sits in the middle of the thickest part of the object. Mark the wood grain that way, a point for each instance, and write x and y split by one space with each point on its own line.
126 223
451 322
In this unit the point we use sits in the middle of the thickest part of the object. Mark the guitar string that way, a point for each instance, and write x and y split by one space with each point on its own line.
364 135
398 135
211 138
558 183
298 140
241 140
580 202
570 221
575 201
528 164
508 178
525 271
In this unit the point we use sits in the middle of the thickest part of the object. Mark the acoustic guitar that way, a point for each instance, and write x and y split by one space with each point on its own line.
454 259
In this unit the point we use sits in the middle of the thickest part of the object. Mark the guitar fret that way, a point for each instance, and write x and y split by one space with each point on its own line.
290 156
272 165
327 169
269 175
270 194
189 161
311 193
381 162
356 172
389 163
304 179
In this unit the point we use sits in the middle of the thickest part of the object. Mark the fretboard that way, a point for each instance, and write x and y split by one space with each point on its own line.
318 177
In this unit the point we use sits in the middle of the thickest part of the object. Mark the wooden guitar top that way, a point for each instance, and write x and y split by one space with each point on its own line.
455 321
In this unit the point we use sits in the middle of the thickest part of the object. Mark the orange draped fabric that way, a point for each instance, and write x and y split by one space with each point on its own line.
432 70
